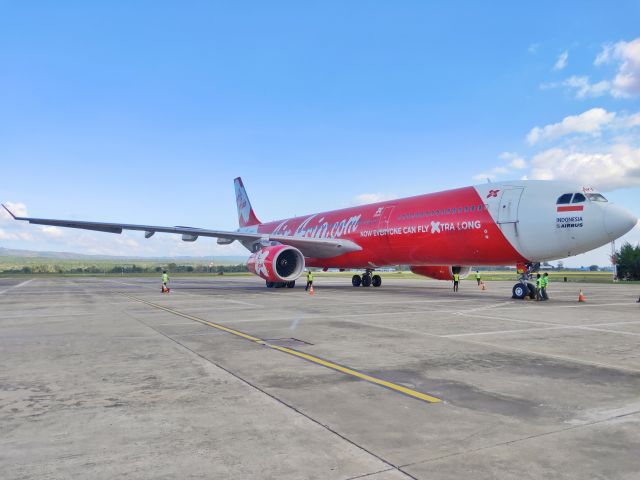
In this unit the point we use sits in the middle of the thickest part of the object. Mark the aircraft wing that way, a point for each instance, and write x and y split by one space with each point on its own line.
310 247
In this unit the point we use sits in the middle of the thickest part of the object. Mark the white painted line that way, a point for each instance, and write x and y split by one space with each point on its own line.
16 286
502 332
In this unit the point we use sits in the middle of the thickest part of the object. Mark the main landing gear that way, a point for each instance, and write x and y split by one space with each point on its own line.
366 280
525 288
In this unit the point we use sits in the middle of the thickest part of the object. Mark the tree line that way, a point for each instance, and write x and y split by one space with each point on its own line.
628 262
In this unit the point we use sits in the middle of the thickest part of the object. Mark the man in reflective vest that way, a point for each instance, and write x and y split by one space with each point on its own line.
543 286
456 281
165 281
309 280
538 287
478 277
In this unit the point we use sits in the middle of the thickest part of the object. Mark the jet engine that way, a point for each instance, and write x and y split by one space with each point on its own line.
277 263
444 272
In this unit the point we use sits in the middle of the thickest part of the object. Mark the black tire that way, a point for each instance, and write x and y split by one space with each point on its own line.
291 284
532 290
519 291
270 284
366 280
376 280
356 281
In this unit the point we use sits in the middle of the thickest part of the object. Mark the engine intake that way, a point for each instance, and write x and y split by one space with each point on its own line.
443 272
277 263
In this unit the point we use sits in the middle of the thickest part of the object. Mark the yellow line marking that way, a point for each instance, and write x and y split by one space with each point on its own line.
355 373
296 353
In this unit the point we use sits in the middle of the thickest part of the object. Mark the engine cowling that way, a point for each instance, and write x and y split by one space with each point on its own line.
443 272
277 263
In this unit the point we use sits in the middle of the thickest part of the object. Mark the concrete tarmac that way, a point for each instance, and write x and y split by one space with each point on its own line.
222 378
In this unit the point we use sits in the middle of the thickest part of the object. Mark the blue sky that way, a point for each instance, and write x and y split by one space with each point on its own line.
144 112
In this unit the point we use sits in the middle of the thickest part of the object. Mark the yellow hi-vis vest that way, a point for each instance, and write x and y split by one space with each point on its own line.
309 277
456 277
165 278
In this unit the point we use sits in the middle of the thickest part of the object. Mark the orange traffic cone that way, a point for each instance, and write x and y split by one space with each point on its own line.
581 297
311 292
482 287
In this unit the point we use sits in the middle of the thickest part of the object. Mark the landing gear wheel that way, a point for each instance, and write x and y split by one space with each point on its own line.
366 280
376 280
270 284
532 291
356 281
519 291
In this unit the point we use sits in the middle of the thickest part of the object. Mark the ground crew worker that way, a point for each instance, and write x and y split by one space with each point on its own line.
309 280
538 287
478 277
165 281
456 281
543 289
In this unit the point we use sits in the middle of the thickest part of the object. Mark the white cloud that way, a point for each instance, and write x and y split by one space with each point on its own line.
52 231
365 198
626 83
616 167
533 48
582 86
589 122
562 61
515 160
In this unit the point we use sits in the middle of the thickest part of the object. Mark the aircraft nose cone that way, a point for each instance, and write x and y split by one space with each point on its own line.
618 221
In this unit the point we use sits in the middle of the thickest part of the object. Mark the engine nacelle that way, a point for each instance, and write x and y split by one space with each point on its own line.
444 272
277 263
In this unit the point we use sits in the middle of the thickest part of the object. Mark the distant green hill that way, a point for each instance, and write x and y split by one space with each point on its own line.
29 261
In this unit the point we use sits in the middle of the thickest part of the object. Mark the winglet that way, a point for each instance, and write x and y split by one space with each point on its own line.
10 212
246 216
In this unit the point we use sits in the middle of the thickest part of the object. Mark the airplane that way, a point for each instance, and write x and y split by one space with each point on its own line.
437 234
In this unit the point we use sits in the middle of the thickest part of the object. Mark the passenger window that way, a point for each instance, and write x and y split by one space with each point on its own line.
479 208
578 198
564 199
466 209
473 208
448 211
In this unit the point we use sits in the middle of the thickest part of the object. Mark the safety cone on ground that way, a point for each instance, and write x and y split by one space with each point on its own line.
311 292
581 297
482 287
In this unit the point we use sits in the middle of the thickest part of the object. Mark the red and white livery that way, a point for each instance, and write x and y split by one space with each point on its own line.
437 234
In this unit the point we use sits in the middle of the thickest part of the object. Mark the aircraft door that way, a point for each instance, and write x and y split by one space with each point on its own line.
508 212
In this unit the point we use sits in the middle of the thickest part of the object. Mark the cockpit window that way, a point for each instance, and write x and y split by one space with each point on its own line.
596 197
578 198
566 198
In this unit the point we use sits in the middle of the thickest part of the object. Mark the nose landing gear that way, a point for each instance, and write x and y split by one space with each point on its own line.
366 280
524 287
